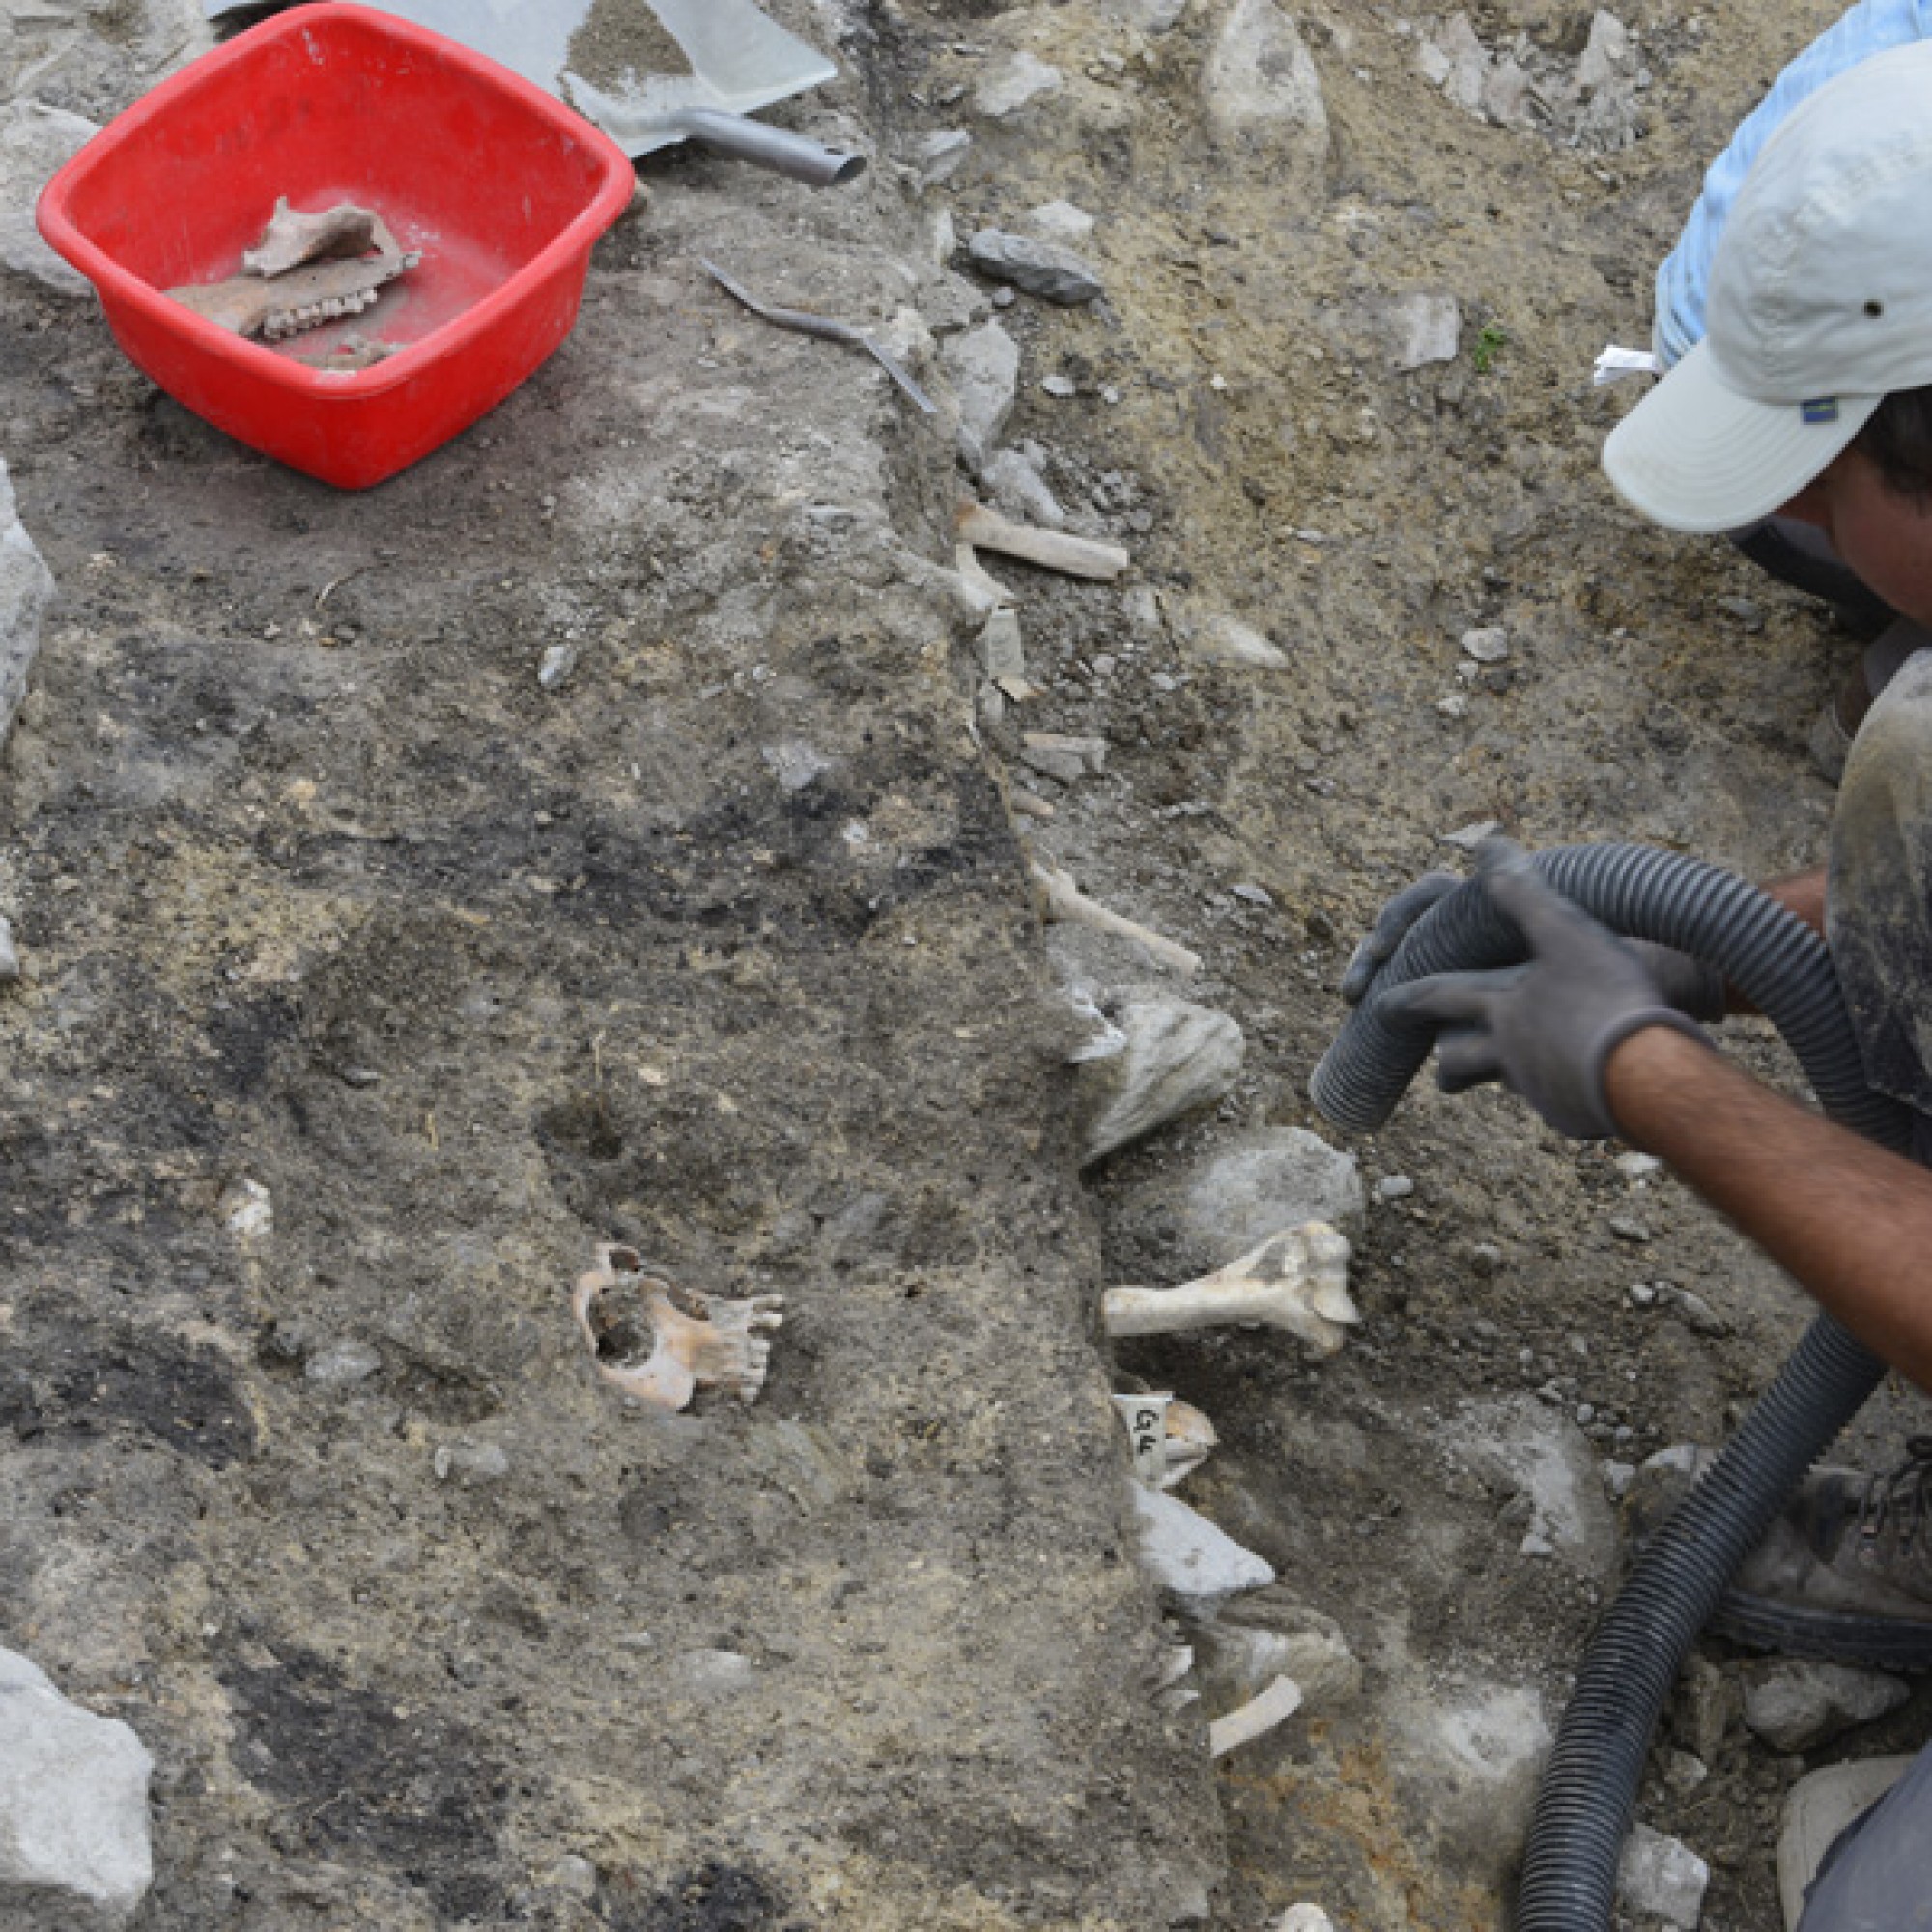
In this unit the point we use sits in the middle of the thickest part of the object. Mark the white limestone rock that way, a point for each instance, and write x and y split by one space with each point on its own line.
1015 84
26 590
1260 82
1061 223
74 1803
1797 1707
1151 17
35 140
983 367
1179 1057
1425 329
1663 1878
1187 1556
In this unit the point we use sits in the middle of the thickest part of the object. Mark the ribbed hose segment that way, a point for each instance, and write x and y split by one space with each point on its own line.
1589 1790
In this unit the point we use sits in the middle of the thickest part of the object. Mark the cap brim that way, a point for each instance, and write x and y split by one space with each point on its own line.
1694 455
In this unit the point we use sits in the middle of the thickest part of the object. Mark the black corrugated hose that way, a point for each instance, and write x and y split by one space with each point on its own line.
1588 1794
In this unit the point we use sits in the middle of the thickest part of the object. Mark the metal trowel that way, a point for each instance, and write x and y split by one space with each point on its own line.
740 59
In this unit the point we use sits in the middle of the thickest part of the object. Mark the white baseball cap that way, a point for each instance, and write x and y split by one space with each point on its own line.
1820 305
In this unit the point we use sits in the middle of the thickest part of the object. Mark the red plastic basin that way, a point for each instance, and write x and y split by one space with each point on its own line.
501 188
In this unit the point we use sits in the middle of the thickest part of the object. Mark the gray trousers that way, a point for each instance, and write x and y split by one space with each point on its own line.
1877 1876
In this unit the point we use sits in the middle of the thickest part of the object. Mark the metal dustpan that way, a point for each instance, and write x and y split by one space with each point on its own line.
738 60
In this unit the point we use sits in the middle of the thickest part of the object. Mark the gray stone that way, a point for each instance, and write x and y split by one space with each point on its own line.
1151 17
1795 1707
1606 56
1505 93
1041 268
1425 329
1551 1464
1488 645
1178 1057
558 661
342 1365
1063 758
10 958
1268 1633
470 1464
1477 1749
1061 223
1260 82
983 367
1187 1556
1015 84
1016 487
1393 1187
1664 1877
35 141
26 590
73 1801
1003 645
940 155
1227 1202
714 1673
796 765
1466 64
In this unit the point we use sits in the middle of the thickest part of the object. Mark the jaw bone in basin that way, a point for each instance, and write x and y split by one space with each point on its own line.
660 1342
305 271
1296 1281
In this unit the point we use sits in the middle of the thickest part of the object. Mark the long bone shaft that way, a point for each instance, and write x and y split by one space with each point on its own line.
1297 1281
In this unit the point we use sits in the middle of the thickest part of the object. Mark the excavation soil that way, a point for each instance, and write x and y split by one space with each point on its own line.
722 947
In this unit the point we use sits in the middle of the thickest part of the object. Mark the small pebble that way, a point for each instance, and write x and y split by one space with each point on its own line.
1455 705
1059 385
9 960
1393 1187
1259 896
1627 1230
558 661
1638 1166
1643 1294
1488 645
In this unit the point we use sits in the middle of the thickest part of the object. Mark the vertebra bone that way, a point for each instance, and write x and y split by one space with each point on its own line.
1297 1281
696 1341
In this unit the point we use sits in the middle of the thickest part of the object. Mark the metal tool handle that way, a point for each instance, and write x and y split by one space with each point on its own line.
768 147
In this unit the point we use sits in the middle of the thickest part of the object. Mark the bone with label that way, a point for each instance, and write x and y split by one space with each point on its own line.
1297 1281
686 1340
313 291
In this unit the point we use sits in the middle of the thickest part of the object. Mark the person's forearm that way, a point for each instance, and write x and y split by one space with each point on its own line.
1852 1222
1804 893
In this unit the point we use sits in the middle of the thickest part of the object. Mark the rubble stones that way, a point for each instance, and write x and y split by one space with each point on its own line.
1227 641
1005 89
1064 758
1797 1707
35 140
1041 268
1260 82
1061 223
26 590
1664 1877
73 1800
1018 489
1151 17
1266 1634
983 367
1179 1057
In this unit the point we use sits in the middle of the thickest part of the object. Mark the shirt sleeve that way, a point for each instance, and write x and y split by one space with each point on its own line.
1871 27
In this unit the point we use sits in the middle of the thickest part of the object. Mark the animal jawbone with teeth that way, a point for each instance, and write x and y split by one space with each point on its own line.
305 271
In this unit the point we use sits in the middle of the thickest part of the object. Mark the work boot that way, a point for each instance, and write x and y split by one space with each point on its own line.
1844 1574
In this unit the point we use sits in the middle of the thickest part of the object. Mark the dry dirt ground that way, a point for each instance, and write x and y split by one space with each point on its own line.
723 948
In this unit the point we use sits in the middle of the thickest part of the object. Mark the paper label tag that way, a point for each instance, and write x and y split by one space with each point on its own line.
1146 1418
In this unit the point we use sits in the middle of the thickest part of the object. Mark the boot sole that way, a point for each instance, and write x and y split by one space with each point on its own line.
1825 1636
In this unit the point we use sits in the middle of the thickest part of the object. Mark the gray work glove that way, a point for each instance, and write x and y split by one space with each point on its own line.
1689 984
1390 929
1546 1029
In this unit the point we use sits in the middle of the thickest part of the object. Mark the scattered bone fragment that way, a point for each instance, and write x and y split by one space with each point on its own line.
1191 1440
1051 549
354 352
660 1343
1275 1705
1066 900
1296 1281
334 234
247 1210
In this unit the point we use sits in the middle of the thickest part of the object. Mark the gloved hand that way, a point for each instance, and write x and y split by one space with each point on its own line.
1390 929
1544 1029
1689 984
